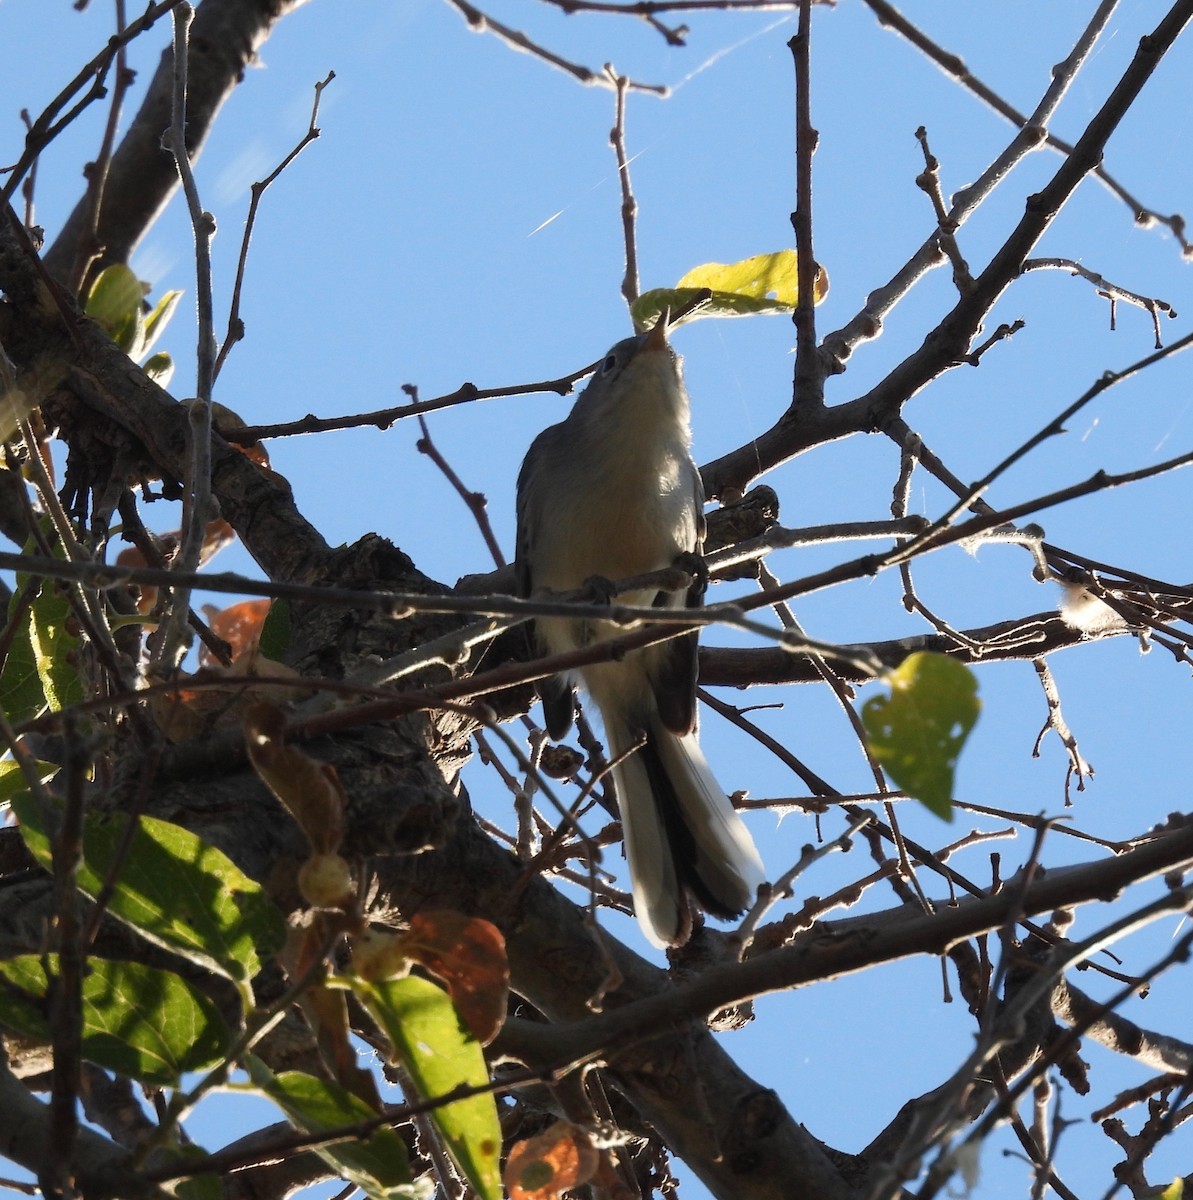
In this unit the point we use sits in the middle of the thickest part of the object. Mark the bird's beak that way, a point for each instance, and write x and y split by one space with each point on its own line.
656 339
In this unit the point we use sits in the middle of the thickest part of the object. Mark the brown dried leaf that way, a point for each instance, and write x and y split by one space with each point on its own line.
468 955
561 1158
192 712
309 790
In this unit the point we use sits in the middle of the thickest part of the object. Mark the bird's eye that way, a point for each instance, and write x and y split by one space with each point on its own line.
609 363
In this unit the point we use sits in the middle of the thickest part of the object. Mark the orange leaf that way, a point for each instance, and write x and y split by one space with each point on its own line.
468 955
239 625
131 556
543 1168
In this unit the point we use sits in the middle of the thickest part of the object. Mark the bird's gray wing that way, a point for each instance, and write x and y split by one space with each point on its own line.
675 678
556 693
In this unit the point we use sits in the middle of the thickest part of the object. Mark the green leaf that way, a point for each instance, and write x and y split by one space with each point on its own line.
439 1056
917 732
39 669
138 1021
158 319
21 694
203 1186
1174 1191
159 367
761 285
275 631
115 302
55 647
12 778
378 1165
174 889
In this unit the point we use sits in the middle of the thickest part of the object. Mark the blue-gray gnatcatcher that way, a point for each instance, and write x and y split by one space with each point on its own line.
613 492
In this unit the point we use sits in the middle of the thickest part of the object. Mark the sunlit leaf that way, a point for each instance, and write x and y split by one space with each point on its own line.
440 1056
160 368
55 647
40 669
173 888
378 1164
157 320
16 403
761 285
917 732
201 1186
21 693
12 778
115 302
138 1021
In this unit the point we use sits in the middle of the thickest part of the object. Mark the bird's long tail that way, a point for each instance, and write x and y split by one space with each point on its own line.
681 833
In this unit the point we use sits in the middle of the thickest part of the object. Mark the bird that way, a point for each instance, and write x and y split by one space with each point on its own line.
612 492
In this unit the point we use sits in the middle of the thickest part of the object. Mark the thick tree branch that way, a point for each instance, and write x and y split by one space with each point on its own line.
948 343
225 38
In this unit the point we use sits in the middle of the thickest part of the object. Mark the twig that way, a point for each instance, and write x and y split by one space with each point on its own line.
45 129
928 181
383 418
1004 331
97 172
197 503
952 65
629 206
480 22
645 8
29 186
809 367
867 324
476 502
1111 291
1051 429
781 888
235 324
1056 721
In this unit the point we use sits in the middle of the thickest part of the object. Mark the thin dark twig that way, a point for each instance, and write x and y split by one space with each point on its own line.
953 65
867 324
235 324
1056 721
476 502
97 172
1052 429
630 287
29 186
1111 291
809 367
45 128
928 181
481 22
383 418
197 510
645 8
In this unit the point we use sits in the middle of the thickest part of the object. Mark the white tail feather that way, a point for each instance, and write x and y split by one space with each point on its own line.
648 853
726 859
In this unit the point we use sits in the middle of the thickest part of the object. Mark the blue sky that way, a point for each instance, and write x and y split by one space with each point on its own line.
458 220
